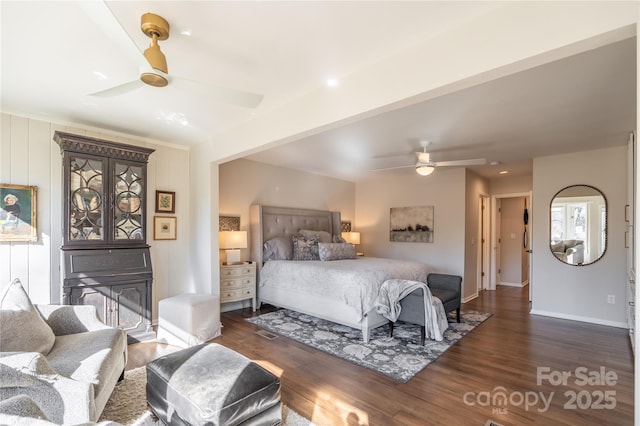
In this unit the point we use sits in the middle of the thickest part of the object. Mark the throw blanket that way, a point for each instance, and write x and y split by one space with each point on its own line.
393 291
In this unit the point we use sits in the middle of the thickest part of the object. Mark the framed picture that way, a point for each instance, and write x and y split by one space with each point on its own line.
18 213
165 202
229 223
411 224
164 227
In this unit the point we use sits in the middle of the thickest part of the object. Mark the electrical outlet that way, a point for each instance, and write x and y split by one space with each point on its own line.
611 299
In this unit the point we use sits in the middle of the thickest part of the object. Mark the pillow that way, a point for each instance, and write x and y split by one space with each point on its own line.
279 248
305 248
22 329
322 236
557 247
336 251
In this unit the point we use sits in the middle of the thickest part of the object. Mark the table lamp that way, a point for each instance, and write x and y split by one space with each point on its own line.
231 242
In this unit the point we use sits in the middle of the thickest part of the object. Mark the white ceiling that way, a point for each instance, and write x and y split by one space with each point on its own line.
56 54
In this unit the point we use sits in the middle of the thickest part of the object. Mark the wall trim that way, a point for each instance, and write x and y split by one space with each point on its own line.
580 318
470 298
519 285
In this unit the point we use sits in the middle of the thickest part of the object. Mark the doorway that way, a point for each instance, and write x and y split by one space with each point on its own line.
510 240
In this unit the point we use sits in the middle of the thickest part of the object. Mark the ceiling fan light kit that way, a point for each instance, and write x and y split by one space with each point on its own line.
424 169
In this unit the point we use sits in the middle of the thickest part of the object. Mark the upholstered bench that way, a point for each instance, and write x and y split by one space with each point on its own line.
209 384
447 288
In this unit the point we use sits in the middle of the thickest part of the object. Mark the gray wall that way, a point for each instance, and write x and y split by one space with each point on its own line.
580 292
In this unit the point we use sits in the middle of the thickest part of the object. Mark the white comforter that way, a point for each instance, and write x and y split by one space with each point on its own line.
356 282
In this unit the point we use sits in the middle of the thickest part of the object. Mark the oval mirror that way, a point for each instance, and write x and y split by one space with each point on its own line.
578 234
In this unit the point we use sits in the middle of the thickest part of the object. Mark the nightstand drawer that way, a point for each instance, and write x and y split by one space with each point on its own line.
237 282
237 271
233 294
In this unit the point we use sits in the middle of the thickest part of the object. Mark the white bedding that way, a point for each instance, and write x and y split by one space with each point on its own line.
355 282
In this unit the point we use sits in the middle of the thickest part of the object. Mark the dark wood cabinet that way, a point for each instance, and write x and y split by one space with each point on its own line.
105 257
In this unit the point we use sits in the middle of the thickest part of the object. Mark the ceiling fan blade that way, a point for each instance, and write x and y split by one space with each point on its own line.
472 162
104 19
222 94
393 168
119 90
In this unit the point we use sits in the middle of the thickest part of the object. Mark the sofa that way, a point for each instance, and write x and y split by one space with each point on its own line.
569 251
63 358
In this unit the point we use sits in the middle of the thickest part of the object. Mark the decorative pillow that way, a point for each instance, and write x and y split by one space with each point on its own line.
338 239
22 329
336 251
322 236
557 247
305 248
279 248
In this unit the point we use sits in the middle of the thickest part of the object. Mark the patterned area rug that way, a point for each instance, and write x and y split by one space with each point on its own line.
400 357
128 404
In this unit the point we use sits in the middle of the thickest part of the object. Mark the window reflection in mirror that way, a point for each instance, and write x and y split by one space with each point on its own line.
578 225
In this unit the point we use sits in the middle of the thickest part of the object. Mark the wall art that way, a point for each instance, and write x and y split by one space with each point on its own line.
411 224
18 213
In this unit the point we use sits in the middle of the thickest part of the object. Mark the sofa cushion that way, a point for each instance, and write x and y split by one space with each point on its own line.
22 329
89 357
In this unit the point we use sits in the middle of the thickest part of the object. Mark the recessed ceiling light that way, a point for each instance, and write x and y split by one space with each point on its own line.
503 172
186 32
332 82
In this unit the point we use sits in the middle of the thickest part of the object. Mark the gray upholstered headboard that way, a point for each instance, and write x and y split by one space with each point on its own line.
267 222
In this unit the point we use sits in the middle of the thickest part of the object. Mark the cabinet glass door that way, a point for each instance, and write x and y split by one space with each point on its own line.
86 199
128 202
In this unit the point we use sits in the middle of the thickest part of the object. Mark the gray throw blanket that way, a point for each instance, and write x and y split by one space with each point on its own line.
393 291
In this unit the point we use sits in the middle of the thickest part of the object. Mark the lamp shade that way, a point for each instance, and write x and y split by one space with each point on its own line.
424 170
233 239
351 237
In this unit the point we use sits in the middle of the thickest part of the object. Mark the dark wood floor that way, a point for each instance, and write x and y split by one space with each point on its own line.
463 386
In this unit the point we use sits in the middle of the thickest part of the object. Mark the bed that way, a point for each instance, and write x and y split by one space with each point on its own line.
342 291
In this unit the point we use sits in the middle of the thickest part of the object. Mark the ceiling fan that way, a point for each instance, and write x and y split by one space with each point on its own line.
424 166
153 63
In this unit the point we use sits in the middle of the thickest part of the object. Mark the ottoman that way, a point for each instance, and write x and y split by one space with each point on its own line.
209 384
188 319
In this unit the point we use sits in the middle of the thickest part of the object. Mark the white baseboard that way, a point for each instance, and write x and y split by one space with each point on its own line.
520 285
470 298
580 318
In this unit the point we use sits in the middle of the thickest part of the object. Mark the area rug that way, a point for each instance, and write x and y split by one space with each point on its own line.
128 404
400 357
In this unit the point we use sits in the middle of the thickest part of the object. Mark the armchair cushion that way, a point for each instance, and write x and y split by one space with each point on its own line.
21 326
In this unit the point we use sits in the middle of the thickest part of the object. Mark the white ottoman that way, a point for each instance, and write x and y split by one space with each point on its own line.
188 319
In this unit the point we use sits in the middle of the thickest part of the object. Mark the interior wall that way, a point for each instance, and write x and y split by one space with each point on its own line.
580 292
505 184
444 189
29 156
474 187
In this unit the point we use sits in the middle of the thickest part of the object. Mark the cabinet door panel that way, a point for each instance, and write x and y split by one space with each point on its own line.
130 302
95 296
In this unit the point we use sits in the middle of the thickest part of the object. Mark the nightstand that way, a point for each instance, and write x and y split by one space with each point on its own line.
238 282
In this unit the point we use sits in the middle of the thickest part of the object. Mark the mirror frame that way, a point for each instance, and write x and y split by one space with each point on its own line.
606 224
